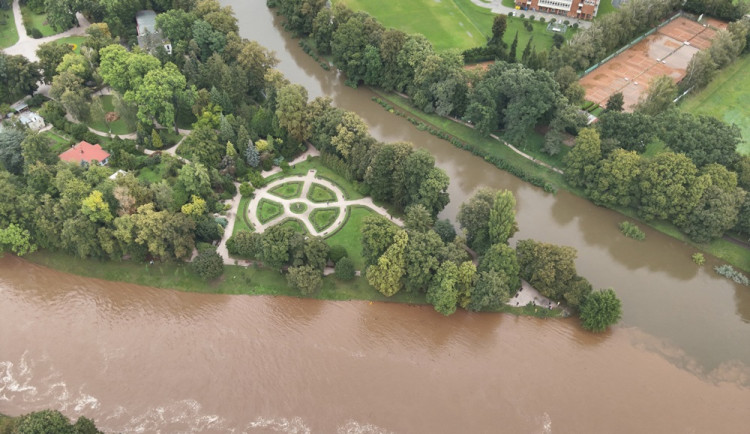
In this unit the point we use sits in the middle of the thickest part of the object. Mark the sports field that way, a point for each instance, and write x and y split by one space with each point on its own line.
446 23
665 52
726 98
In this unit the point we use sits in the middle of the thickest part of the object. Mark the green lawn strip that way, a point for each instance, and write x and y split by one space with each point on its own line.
36 21
152 174
722 249
350 234
542 38
118 127
58 143
236 279
726 98
297 207
268 210
72 40
287 190
294 224
473 138
605 7
322 171
8 32
319 194
653 149
240 222
443 23
533 146
322 218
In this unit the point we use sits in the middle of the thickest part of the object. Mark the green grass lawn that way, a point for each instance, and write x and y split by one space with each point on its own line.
533 146
446 23
653 149
347 187
36 21
8 33
726 98
241 223
605 7
72 40
58 144
268 210
236 280
152 174
118 127
288 190
350 235
323 217
294 224
297 207
453 23
319 193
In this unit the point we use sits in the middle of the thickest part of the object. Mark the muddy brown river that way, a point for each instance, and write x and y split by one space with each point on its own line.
138 359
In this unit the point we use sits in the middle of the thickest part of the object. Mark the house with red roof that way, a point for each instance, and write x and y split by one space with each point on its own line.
85 152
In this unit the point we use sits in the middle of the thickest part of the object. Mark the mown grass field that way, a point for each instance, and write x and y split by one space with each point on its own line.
8 33
319 193
348 188
453 23
726 98
447 23
350 236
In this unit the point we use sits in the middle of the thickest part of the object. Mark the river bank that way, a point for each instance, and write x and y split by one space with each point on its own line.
239 280
490 149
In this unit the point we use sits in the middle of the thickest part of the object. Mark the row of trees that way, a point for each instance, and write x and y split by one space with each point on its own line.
436 82
46 422
704 201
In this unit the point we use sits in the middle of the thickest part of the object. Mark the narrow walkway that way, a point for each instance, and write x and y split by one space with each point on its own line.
27 46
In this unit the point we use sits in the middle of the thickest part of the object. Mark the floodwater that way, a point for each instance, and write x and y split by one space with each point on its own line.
139 359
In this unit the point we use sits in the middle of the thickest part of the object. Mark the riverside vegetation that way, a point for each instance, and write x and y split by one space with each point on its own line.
628 161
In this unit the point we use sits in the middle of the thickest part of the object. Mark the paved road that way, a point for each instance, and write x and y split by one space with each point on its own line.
497 7
27 46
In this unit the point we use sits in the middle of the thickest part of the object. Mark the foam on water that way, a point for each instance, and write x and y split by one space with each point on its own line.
354 427
15 379
289 426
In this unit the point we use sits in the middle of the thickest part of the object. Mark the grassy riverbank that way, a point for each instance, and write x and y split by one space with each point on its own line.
733 254
237 280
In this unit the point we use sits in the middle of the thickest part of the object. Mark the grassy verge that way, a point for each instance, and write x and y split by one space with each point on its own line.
488 148
58 142
36 21
8 32
236 280
117 127
605 7
75 41
268 210
288 190
319 194
726 98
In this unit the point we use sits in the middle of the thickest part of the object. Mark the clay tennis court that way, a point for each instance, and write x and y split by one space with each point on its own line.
665 52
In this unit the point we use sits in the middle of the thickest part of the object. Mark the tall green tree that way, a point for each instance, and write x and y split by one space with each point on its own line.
291 111
490 292
600 310
502 223
502 259
305 278
581 162
386 276
547 267
670 187
662 90
442 293
474 218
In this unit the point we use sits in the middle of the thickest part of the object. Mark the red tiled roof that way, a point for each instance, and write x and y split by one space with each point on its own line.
84 151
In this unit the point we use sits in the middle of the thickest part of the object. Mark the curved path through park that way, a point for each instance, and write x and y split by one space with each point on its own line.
307 181
26 46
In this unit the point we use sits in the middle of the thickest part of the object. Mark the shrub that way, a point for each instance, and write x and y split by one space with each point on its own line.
600 310
36 34
345 269
337 253
730 273
541 19
246 190
208 265
575 25
445 230
256 179
305 278
632 230
566 22
698 258
553 20
531 17
245 244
